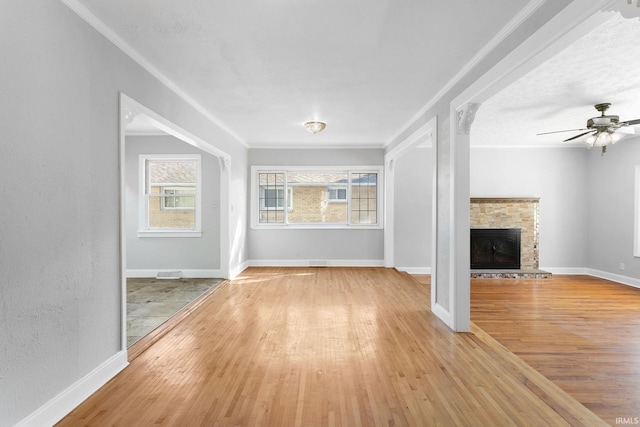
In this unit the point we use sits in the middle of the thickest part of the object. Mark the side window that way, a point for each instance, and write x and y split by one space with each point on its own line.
364 198
170 193
272 200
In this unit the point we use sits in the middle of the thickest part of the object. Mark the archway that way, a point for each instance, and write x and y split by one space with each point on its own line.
129 109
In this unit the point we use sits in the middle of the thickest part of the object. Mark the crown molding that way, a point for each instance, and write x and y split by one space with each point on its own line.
132 53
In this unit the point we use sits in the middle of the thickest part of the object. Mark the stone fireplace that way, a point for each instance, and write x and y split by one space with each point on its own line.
512 213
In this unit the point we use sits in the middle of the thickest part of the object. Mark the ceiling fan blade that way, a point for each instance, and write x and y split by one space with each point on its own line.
626 130
578 136
558 131
631 122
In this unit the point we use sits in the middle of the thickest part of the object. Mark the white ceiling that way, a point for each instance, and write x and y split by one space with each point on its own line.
262 68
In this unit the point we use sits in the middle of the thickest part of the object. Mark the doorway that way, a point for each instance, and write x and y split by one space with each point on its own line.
174 207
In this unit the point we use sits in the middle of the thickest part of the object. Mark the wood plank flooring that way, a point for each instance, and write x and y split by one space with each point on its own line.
581 332
326 347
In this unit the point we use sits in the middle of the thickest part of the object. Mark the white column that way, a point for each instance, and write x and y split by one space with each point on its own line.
389 229
452 299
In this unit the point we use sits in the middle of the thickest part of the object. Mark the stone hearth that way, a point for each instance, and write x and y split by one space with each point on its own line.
510 274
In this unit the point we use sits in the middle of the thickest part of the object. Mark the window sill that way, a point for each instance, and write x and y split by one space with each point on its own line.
169 233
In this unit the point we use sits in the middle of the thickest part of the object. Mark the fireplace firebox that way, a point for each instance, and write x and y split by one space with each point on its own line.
495 248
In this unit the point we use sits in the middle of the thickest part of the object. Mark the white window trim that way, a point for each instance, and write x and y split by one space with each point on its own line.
255 170
143 208
636 217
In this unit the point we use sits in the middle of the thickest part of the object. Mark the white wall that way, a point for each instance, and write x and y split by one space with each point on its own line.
558 176
60 290
172 253
611 209
297 246
412 210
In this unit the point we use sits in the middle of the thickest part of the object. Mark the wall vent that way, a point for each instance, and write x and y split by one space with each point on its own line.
318 263
169 274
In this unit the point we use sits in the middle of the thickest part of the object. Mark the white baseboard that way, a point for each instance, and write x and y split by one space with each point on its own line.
186 272
442 313
415 270
566 270
234 271
618 278
625 280
58 407
316 263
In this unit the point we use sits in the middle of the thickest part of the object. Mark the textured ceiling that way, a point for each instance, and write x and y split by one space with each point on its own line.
603 66
262 68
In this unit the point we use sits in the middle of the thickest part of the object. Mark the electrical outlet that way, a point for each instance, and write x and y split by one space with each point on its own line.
622 266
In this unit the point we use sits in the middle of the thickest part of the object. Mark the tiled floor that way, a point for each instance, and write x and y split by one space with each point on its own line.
150 302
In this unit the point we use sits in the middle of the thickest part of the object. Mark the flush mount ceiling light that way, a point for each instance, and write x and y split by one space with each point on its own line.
315 126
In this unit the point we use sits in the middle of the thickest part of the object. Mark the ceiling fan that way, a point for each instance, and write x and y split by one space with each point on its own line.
601 129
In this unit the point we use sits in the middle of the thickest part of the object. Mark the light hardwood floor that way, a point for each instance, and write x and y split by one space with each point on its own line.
581 332
326 347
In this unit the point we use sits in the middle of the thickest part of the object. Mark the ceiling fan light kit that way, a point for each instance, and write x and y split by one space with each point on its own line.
602 139
601 129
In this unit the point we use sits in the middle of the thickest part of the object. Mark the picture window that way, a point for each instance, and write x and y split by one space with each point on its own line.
316 197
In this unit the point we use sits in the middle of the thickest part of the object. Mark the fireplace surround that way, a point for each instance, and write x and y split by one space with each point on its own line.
510 212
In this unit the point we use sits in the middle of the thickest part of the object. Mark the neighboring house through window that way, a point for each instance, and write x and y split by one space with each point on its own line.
179 198
316 197
170 195
337 194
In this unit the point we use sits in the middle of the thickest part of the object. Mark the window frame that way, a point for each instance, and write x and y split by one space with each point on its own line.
255 196
143 199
